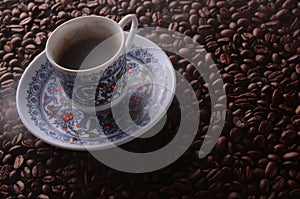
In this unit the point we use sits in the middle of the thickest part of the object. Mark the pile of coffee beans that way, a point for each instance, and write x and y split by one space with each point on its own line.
256 46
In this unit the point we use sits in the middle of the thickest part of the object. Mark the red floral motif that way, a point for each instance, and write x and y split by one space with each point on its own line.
136 100
100 84
58 89
66 117
129 69
111 87
108 126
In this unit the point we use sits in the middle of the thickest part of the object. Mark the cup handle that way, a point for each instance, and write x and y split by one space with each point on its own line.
133 28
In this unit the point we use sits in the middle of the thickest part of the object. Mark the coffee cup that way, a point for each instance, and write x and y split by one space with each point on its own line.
88 55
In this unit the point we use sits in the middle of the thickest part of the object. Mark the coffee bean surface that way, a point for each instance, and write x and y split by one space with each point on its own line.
256 47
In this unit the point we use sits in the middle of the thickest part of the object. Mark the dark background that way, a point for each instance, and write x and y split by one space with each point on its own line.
255 45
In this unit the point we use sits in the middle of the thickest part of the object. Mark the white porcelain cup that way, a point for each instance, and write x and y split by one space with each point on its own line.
100 79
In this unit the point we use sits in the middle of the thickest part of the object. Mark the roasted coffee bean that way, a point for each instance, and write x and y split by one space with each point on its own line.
293 184
259 142
194 175
214 175
221 144
225 58
227 33
1 154
8 158
264 186
42 196
295 193
31 153
297 111
260 59
248 173
46 189
35 185
17 139
234 195
280 149
240 122
271 169
18 187
18 161
38 170
291 156
4 190
27 143
166 38
278 183
277 96
50 163
257 32
13 176
144 20
44 152
58 188
48 179
282 13
25 173
289 136
265 127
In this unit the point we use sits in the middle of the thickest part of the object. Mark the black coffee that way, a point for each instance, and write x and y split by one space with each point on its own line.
73 56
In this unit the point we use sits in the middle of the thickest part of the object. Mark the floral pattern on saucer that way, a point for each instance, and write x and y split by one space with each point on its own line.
53 114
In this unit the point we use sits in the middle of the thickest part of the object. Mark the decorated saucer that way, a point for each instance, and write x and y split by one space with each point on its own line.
47 112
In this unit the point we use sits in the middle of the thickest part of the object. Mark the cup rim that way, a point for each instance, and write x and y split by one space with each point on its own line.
107 63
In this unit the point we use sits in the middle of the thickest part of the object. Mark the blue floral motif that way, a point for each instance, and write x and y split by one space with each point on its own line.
142 55
108 123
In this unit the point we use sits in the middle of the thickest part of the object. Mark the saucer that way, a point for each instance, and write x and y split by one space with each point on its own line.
48 114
